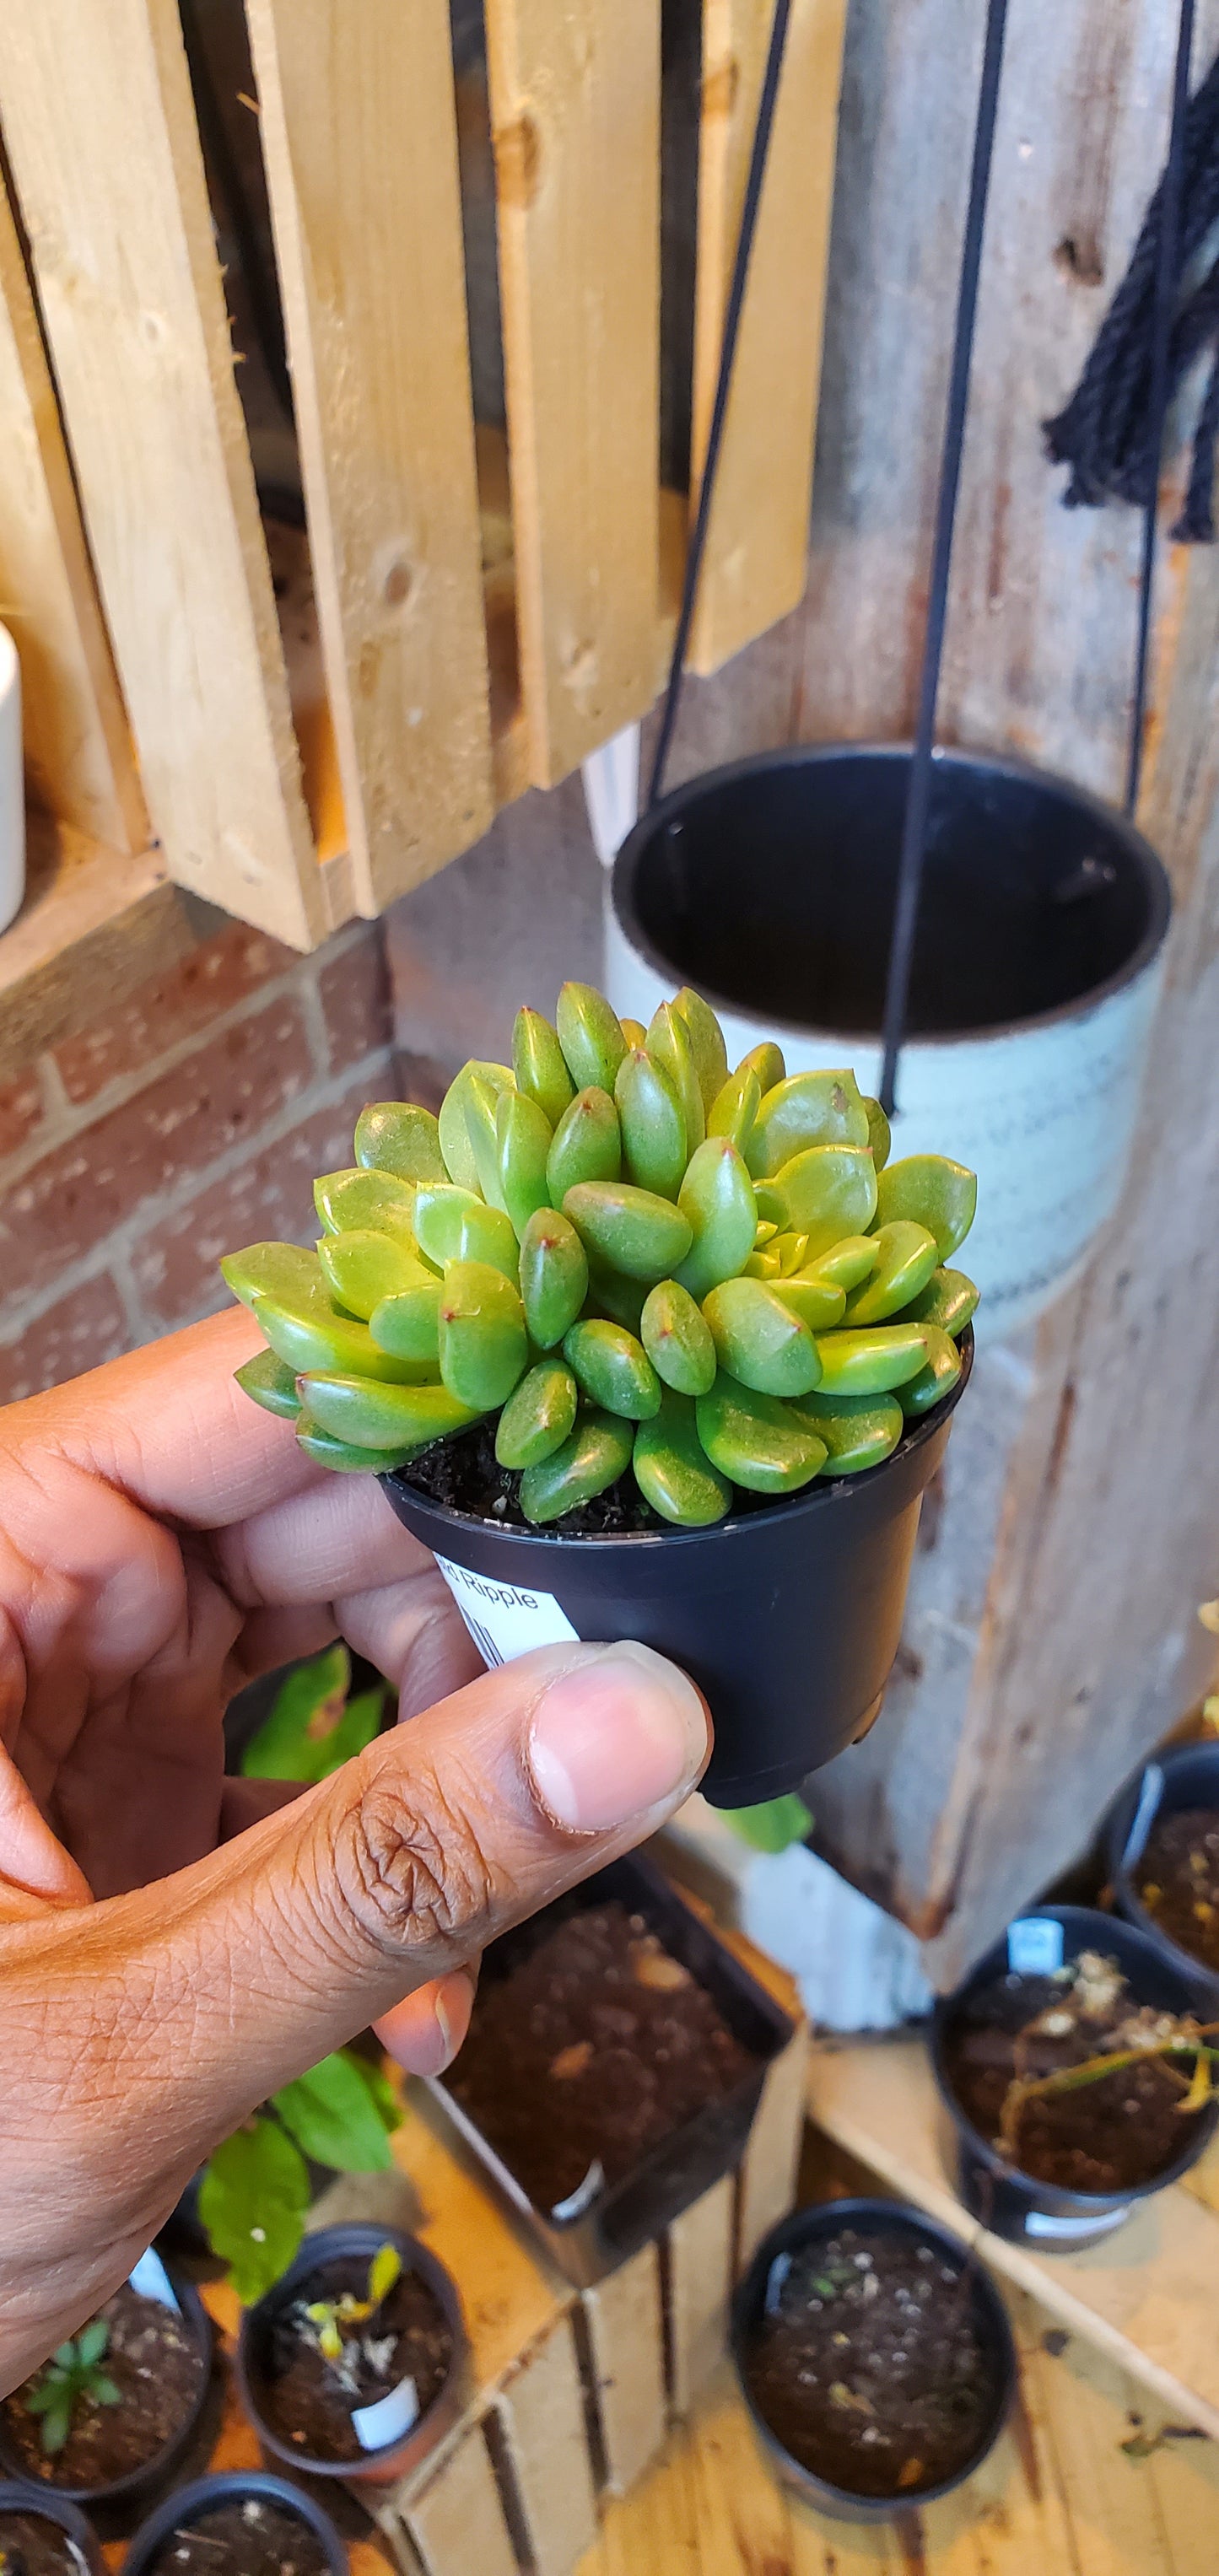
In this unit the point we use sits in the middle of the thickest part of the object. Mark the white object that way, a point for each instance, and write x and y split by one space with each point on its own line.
12 784
611 793
388 2418
1044 1115
503 1619
1034 1946
856 1968
1144 1815
1061 2230
150 2280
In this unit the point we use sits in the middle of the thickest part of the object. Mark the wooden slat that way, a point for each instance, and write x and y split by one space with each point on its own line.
699 2249
541 2415
624 2331
575 105
79 762
754 567
772 2157
456 2521
359 137
98 120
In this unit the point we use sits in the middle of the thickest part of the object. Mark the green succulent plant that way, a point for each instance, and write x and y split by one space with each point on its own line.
632 1258
74 2374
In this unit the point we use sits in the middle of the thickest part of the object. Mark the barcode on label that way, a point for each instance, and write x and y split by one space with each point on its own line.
486 1645
503 1619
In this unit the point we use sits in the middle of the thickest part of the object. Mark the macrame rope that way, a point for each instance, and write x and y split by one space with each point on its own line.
1168 261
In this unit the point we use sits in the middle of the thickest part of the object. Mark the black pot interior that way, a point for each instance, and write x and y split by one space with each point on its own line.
771 887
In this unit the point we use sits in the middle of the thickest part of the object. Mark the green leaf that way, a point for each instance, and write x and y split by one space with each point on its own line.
772 1826
56 2426
92 2341
105 2392
359 1723
65 2356
252 2204
296 1737
48 2393
380 2091
384 2269
333 2118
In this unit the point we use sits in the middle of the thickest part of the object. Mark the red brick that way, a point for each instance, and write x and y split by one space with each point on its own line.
226 1090
170 1007
78 1332
269 1198
355 996
20 1111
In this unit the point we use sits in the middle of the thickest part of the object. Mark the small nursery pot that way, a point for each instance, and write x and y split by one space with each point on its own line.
143 2481
21 2496
679 2168
816 2226
231 2486
1186 1776
769 885
1024 2210
787 1616
360 2239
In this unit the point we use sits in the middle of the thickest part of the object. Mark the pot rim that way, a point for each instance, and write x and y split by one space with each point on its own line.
351 2236
821 1493
1168 1759
151 2471
946 756
188 2502
1074 1919
900 2217
28 2495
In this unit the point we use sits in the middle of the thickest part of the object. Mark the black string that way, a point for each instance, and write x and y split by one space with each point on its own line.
723 387
1165 292
914 829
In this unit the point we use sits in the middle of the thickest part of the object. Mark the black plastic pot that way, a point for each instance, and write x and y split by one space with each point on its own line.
360 2239
1187 1776
1012 2204
20 2496
816 2226
788 1616
594 2240
138 2483
229 2486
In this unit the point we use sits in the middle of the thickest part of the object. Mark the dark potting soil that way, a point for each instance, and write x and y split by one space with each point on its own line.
593 2046
157 2367
1178 1881
465 1473
309 2401
31 2545
1109 2135
247 2537
870 2369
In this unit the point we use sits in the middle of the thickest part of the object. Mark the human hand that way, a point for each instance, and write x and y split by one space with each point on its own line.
160 1542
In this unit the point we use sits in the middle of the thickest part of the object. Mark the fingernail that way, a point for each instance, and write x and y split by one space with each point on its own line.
425 2045
614 1735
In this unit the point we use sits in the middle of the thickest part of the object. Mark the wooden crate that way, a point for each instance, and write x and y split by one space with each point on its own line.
486 613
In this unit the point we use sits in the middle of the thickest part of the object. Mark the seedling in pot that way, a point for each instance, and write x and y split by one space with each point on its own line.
75 2373
629 1260
255 2192
334 2319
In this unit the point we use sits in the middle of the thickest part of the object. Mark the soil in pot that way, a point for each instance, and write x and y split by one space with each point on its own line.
32 2545
869 2366
155 2363
1108 2135
309 2400
593 2046
248 2536
1178 1881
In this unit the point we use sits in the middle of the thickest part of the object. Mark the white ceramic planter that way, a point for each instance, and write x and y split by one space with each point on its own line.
1041 1104
12 791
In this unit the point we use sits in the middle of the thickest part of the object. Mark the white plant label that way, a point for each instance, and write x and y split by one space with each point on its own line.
1144 1814
388 2418
1034 1946
503 1620
1061 2230
150 2280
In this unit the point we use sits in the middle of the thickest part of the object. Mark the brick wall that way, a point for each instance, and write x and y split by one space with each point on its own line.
189 1119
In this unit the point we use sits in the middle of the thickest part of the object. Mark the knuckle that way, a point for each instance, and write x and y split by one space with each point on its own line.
412 1870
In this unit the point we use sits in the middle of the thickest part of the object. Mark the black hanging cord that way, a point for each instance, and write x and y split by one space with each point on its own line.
914 829
723 387
1168 258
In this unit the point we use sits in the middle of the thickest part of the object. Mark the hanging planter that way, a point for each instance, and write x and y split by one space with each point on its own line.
1048 2154
238 2518
351 2367
1162 1847
769 885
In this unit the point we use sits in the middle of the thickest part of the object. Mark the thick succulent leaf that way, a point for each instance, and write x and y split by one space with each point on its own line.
362 1268
756 1440
763 1264
706 1043
634 1032
632 1230
949 1300
653 1125
597 1453
908 1256
523 1138
817 1302
368 1416
334 2118
590 1035
672 1469
539 1064
538 1416
484 1347
398 1136
554 1276
303 1715
342 1457
879 1134
766 1060
773 1826
807 1109
453 1224
717 1200
408 1325
826 1192
858 1430
267 1382
760 1340
872 1360
454 1133
669 1045
735 1107
482 1103
937 1379
252 2205
307 1340
285 1271
935 1192
790 1252
677 1338
613 1369
621 1300
846 1262
355 1202
587 1145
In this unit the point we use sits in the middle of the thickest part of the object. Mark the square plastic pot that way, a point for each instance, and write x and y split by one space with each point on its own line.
787 1616
231 2486
1015 2205
678 2169
1187 1776
138 2483
359 2239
